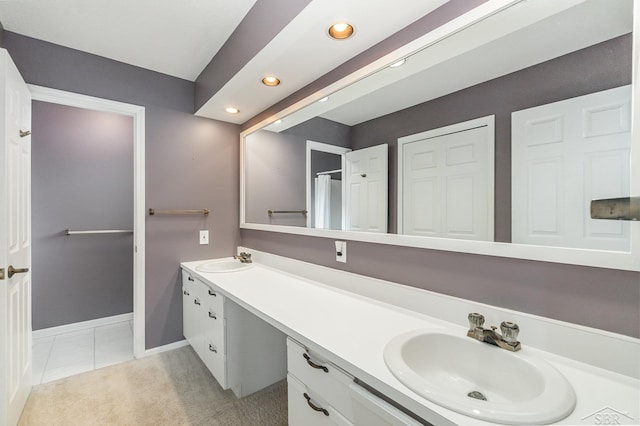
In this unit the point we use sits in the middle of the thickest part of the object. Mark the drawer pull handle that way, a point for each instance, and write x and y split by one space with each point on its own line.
212 348
212 293
314 365
196 301
212 315
190 279
313 406
185 292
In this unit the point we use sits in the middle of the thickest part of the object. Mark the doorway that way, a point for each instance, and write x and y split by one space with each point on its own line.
135 116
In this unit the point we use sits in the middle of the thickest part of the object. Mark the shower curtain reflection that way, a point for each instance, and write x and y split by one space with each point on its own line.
322 202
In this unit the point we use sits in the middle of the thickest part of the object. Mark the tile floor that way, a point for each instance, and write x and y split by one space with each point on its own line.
66 354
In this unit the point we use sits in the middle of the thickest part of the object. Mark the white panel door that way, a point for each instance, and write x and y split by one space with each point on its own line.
446 187
15 242
366 189
564 155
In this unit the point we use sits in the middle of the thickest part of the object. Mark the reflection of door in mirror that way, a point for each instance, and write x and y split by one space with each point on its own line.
446 181
324 185
565 154
367 182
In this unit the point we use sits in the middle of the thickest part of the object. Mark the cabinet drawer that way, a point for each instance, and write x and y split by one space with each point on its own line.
213 300
325 379
208 297
215 360
214 333
306 408
370 410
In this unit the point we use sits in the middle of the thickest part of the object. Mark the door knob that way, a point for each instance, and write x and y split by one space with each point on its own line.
11 271
24 133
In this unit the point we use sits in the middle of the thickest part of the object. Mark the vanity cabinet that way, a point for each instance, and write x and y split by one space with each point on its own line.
318 391
322 394
203 325
242 352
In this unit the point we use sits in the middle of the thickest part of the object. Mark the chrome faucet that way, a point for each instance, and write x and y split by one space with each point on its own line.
243 257
507 340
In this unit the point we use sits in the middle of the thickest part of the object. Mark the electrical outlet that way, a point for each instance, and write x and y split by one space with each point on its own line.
204 237
341 251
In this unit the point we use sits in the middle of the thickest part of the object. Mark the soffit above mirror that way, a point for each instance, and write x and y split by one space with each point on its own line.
507 42
302 51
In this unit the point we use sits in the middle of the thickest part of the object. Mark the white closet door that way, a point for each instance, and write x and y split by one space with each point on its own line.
447 182
366 177
564 155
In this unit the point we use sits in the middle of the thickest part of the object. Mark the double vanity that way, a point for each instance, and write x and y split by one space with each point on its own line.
352 358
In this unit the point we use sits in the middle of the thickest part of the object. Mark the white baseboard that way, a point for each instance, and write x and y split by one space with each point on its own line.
77 326
164 348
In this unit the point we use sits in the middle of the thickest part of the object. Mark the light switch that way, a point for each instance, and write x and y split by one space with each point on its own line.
204 237
341 251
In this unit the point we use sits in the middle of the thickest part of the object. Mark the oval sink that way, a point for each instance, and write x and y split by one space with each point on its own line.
223 265
478 379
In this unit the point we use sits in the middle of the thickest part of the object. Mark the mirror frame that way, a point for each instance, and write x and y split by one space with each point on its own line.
629 261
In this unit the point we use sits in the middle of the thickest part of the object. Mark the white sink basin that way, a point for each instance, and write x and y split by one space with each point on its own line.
445 368
223 265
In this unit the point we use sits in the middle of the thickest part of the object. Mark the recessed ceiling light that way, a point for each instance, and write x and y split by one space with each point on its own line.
271 81
340 30
277 122
232 110
398 63
325 99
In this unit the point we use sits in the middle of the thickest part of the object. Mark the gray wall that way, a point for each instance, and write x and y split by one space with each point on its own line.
275 166
275 169
595 297
191 162
82 179
599 67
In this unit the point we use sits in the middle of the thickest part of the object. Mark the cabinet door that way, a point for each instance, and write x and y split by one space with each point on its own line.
190 328
215 360
308 409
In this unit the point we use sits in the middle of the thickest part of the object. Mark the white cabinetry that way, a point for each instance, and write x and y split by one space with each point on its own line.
318 390
242 352
371 410
322 394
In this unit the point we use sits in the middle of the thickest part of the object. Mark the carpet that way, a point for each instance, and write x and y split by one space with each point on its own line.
171 388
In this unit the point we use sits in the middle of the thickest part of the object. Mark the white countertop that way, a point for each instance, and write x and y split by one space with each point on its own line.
352 331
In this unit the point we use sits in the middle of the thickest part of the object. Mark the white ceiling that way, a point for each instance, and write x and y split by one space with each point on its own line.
179 38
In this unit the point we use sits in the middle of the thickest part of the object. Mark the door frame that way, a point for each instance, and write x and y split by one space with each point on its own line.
330 149
45 94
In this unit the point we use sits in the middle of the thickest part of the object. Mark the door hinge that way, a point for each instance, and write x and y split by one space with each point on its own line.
1 274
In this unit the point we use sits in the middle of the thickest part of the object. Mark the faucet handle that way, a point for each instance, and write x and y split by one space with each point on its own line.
510 332
475 320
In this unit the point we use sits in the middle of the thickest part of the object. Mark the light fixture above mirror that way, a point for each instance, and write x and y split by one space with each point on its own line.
341 31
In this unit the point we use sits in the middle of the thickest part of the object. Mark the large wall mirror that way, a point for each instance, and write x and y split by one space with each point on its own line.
490 138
